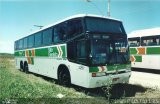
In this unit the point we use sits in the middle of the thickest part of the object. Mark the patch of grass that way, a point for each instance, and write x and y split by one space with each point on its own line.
6 55
15 84
18 86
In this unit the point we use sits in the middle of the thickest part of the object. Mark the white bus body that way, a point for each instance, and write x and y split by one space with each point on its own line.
145 48
70 58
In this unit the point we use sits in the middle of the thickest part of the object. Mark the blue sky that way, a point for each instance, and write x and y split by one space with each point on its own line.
17 17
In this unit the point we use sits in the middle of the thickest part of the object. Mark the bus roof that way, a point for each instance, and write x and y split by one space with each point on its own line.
145 32
72 17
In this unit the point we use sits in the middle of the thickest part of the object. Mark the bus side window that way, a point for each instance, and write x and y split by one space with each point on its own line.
134 42
47 36
143 43
153 41
60 33
81 51
25 42
31 41
74 27
158 40
16 45
150 41
21 44
38 39
71 50
56 35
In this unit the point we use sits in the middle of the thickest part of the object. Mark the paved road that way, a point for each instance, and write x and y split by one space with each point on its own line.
145 79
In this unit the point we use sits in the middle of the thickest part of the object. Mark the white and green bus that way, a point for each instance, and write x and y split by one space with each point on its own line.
145 48
84 50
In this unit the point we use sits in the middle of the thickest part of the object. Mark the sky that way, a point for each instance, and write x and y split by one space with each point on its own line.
18 17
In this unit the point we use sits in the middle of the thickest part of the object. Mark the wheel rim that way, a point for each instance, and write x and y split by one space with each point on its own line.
21 66
64 79
26 68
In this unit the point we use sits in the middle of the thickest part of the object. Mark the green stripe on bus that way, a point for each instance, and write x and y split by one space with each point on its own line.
153 50
32 60
149 50
16 53
41 52
110 67
133 51
138 58
64 51
57 51
19 53
30 53
53 52
117 67
93 69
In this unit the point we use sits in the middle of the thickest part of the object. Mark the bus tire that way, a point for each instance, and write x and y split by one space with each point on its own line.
64 78
21 66
25 67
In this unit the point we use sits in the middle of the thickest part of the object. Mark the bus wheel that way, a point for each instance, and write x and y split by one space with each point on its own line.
64 78
25 67
21 66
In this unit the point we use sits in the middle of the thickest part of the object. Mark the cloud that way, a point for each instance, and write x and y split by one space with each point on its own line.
6 46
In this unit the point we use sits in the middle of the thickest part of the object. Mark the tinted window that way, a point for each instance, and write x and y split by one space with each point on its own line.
74 28
133 42
60 33
25 42
76 51
47 36
16 45
158 39
150 41
38 39
31 41
21 44
71 50
104 25
81 51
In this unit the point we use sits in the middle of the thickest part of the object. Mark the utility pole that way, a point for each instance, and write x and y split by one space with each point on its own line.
108 12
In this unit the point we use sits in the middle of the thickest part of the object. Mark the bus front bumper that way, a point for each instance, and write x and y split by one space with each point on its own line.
109 79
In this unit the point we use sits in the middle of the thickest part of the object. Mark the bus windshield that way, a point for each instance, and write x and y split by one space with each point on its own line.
108 50
104 25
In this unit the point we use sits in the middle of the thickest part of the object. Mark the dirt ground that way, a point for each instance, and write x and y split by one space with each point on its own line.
146 79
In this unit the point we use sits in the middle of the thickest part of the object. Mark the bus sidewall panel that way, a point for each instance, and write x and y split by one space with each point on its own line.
79 74
148 61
